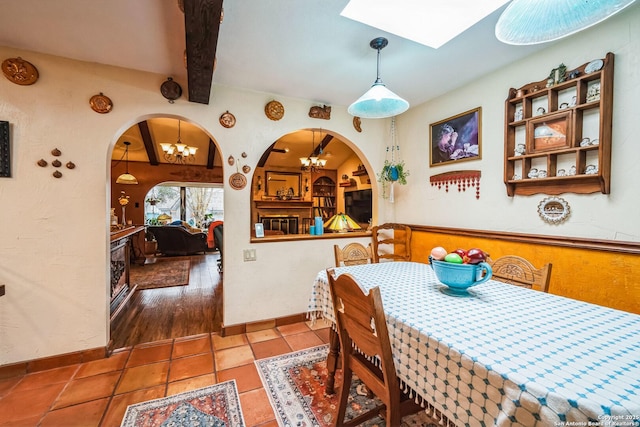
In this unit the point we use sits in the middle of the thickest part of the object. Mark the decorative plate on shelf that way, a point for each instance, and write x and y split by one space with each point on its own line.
593 66
101 103
227 120
274 110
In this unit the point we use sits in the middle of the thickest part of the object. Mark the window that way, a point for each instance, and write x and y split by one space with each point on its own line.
197 205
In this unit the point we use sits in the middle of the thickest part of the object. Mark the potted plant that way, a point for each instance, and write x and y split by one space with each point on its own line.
153 200
391 173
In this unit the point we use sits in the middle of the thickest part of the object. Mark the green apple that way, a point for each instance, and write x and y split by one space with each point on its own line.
453 258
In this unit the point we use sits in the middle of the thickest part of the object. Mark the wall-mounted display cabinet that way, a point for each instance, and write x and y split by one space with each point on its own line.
558 132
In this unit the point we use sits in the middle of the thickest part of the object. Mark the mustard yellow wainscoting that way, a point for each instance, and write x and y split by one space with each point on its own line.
601 272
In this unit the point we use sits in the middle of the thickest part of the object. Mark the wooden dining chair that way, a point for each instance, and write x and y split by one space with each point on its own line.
518 271
361 325
353 254
392 242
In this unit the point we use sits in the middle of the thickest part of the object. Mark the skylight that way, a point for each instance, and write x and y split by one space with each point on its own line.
429 22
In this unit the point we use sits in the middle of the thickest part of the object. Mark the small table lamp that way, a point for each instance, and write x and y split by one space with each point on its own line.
341 223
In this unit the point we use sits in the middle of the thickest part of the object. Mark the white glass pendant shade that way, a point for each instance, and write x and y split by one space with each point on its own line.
126 178
378 103
526 22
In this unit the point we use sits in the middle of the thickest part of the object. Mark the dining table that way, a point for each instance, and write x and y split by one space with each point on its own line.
501 354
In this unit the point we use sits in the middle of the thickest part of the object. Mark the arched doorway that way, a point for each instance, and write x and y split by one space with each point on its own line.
148 150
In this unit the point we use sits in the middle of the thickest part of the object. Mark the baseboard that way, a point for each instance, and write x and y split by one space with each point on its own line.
242 328
52 362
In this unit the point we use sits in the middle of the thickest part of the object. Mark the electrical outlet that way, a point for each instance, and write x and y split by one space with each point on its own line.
249 255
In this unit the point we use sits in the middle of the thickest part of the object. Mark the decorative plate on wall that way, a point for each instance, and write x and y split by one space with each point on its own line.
553 210
101 103
227 120
274 110
237 181
19 71
171 90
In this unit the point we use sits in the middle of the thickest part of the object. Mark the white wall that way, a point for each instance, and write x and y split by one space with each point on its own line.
54 248
54 239
613 216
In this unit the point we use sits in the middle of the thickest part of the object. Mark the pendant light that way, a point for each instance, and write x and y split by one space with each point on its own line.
378 102
126 178
527 22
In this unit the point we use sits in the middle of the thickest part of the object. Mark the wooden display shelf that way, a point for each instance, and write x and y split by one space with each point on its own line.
554 121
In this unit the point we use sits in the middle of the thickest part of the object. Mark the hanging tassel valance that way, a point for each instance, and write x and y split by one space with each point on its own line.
463 179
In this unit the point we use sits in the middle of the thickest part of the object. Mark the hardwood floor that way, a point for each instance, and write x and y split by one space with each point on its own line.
173 312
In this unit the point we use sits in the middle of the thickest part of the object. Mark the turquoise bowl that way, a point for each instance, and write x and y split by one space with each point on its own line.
460 277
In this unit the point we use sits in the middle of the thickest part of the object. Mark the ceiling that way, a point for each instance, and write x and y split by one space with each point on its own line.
293 48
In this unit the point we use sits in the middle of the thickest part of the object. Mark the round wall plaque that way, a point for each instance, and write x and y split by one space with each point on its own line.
19 71
227 120
553 210
274 110
100 103
171 90
237 181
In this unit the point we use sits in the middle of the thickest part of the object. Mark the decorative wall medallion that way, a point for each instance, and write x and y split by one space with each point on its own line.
554 210
171 90
274 110
19 71
323 112
56 163
246 169
237 181
357 123
101 103
227 120
231 160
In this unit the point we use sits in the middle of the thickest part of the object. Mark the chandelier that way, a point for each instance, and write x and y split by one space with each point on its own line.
312 162
178 152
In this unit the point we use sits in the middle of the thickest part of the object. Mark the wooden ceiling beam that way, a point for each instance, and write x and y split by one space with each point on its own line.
202 25
149 146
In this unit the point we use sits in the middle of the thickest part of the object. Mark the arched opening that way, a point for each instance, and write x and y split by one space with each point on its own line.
309 174
180 187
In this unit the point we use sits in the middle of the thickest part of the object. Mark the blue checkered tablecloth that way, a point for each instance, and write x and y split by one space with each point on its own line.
506 356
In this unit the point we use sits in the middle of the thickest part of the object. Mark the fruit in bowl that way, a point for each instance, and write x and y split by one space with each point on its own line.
460 269
460 277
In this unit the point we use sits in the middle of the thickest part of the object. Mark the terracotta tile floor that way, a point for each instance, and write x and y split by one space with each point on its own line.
97 393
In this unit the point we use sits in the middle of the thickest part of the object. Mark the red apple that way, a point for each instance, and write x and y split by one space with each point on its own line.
460 252
438 253
474 256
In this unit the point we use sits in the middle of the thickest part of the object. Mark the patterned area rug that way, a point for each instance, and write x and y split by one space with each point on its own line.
214 406
295 384
164 272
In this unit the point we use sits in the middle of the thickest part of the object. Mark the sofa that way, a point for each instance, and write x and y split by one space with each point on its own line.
176 240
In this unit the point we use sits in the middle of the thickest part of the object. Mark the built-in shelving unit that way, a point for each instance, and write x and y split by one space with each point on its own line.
324 193
562 128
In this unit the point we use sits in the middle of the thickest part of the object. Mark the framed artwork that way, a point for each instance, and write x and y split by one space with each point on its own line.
549 133
5 157
456 139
